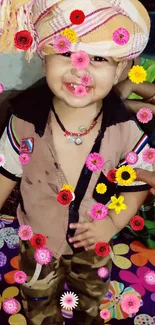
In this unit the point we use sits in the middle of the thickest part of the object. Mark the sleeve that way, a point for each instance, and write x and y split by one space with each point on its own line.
10 165
135 140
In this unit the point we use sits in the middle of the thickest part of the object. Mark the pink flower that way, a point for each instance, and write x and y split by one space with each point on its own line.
20 277
130 304
80 60
143 280
121 36
61 44
43 255
131 158
24 158
149 156
144 115
11 306
2 160
86 79
103 272
1 88
94 162
150 277
105 314
25 232
80 91
99 211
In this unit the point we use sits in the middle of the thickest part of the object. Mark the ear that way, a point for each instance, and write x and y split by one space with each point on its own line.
120 68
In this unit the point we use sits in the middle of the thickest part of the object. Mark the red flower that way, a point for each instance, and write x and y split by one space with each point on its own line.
77 17
65 197
111 176
38 241
23 40
102 249
137 223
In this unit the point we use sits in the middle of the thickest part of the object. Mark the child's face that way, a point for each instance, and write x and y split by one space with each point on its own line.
60 74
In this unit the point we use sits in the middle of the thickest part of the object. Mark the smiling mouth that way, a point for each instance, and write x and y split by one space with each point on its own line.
72 87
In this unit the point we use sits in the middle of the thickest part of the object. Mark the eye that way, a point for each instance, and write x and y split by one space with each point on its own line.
67 54
98 59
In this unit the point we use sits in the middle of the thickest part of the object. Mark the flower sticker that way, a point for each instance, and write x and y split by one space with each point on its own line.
1 88
77 17
11 306
137 74
24 158
2 160
125 175
70 34
61 44
68 187
101 188
80 91
105 314
103 272
131 158
69 300
25 232
143 280
111 176
80 60
121 36
86 79
144 115
102 249
38 241
43 256
20 277
65 197
23 40
117 204
149 156
99 211
94 162
130 304
137 223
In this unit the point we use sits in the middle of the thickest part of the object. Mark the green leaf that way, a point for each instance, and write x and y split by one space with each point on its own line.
151 74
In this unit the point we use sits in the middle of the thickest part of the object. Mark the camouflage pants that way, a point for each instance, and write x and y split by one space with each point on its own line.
42 301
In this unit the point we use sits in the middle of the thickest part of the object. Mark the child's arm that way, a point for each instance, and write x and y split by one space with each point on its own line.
133 201
6 187
11 169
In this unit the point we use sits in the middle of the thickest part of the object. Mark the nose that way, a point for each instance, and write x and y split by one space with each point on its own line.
78 73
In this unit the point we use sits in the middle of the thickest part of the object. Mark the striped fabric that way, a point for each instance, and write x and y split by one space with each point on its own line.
12 135
137 149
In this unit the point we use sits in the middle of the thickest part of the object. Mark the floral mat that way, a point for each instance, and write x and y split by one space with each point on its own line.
133 270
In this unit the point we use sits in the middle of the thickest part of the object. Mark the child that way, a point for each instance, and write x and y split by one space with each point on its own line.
86 45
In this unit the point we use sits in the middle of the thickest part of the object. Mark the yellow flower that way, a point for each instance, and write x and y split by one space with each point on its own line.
68 187
137 74
70 34
101 188
117 204
125 175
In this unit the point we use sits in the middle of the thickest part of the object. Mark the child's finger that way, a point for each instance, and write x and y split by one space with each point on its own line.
84 243
91 247
79 225
80 237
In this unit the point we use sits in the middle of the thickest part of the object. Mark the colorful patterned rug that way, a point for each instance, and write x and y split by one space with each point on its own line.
133 270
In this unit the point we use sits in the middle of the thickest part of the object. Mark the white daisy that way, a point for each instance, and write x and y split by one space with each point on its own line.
69 300
2 160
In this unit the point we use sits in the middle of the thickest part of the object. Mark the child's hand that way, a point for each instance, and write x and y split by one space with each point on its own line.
124 88
92 232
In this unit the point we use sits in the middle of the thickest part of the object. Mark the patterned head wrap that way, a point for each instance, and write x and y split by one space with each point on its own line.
115 28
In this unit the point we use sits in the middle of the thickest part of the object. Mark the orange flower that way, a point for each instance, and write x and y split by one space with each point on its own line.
143 256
